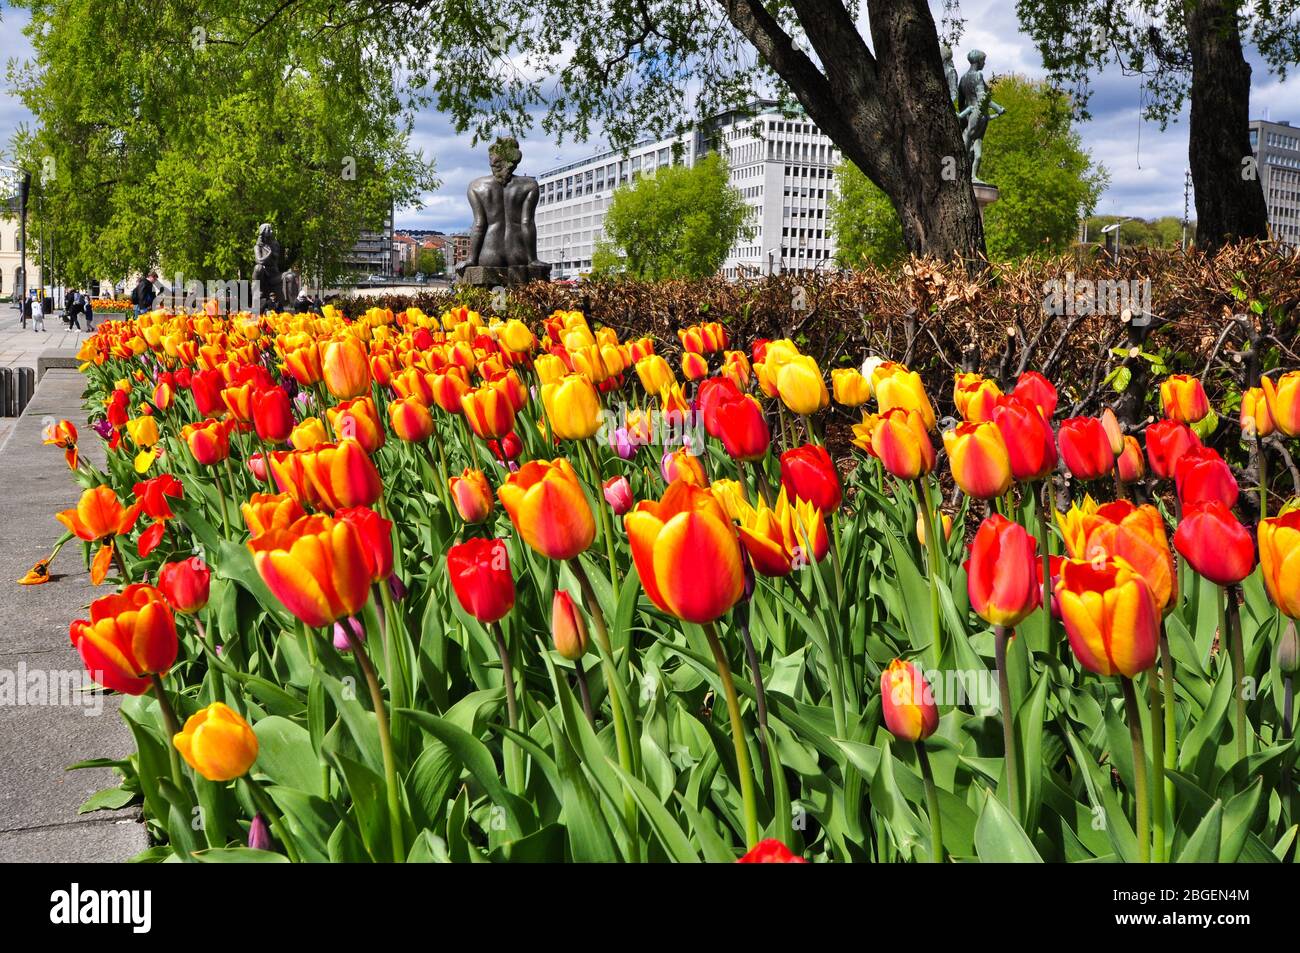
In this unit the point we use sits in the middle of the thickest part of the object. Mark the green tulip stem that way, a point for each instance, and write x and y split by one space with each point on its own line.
1001 635
173 728
1139 769
760 696
1045 552
1238 653
221 497
1158 770
263 803
385 743
606 519
931 804
514 766
621 727
933 565
580 676
743 769
1170 721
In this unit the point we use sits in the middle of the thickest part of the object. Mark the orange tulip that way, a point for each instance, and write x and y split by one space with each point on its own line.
342 475
907 702
783 538
1279 558
472 495
1130 462
1183 398
1256 421
979 460
304 364
357 418
975 397
264 512
410 419
548 508
1123 531
345 368
686 553
897 387
488 412
1283 399
209 441
308 434
694 366
217 743
316 567
129 636
902 442
1110 617
99 515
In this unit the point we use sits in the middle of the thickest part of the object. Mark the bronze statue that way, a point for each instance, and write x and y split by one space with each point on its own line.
976 107
949 72
503 238
266 267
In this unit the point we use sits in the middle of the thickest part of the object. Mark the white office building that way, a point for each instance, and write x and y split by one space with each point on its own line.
1277 150
782 165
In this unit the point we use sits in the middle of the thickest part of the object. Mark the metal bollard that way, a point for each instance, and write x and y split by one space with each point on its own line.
26 387
7 402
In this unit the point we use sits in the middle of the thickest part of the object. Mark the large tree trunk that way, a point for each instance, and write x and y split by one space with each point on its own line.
1229 196
889 113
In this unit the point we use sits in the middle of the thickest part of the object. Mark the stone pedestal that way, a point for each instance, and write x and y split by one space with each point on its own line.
985 195
482 276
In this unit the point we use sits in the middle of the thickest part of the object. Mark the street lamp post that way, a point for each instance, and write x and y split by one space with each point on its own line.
1115 227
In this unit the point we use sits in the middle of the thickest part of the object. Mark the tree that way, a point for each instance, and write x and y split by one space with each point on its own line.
430 261
1045 176
679 222
182 138
1182 49
659 66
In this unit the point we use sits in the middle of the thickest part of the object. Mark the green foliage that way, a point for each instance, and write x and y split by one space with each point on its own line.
430 261
169 145
1031 153
679 222
864 223
1164 232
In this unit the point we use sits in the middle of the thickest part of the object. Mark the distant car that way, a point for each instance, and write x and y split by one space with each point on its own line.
376 279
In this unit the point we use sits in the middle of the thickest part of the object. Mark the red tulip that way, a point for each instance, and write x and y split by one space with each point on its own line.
185 584
1031 445
376 534
1038 390
808 473
907 702
480 577
1215 543
1167 441
771 851
743 428
1001 575
1085 448
1201 474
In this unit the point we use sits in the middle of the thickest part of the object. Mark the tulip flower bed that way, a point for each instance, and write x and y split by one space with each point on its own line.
422 587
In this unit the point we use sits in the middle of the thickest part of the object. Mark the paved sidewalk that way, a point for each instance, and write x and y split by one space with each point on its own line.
38 796
20 347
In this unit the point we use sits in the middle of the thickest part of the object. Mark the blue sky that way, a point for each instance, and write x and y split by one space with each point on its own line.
1146 164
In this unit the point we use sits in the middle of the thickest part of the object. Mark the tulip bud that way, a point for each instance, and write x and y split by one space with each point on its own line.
185 584
342 628
1288 650
259 834
618 494
568 630
1114 432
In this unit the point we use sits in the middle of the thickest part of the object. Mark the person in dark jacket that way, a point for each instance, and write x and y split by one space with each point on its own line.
143 294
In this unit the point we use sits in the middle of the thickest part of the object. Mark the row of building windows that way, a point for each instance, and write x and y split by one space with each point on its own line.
1279 141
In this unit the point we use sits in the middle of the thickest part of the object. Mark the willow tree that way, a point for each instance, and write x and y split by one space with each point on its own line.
1185 51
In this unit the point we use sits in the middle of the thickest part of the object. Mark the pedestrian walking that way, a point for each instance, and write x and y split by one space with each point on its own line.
88 312
38 315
